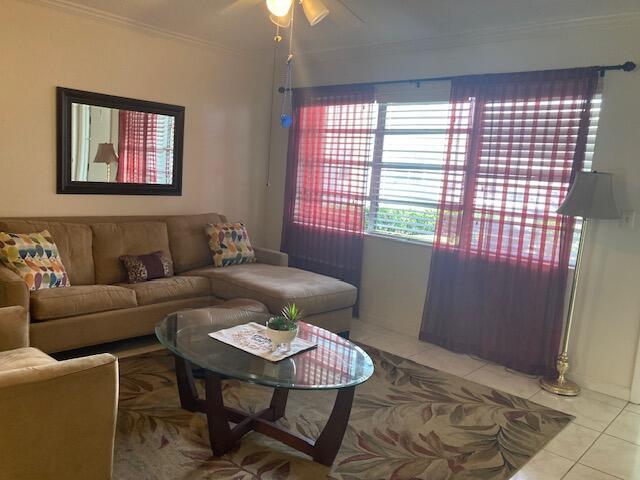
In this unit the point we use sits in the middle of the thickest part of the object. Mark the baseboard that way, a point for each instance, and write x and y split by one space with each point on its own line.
617 391
383 322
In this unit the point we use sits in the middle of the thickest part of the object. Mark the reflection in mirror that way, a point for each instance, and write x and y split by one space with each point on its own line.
121 146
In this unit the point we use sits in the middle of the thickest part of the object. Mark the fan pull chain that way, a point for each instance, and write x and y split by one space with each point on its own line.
286 119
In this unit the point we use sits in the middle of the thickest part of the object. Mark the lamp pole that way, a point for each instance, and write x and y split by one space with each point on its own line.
561 385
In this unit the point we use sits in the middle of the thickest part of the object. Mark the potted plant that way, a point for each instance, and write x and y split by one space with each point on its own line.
283 328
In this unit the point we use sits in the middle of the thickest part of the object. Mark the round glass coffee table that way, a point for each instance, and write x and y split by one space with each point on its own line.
335 364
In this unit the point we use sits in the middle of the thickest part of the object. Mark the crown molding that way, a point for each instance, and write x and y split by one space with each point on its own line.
472 37
112 19
436 42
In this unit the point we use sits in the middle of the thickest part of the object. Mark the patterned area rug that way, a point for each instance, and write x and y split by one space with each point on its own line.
408 422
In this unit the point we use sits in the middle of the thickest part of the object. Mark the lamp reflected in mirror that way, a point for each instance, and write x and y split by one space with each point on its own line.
106 154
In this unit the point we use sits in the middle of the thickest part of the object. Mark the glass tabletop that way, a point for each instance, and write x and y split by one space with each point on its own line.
334 363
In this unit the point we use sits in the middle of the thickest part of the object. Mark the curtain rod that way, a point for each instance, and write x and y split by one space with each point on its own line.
627 66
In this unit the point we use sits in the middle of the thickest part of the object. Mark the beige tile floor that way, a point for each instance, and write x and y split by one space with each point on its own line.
602 443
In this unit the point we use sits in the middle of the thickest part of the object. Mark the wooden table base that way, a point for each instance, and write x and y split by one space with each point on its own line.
223 437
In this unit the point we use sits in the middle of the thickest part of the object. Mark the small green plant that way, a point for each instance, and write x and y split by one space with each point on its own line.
281 323
287 320
292 313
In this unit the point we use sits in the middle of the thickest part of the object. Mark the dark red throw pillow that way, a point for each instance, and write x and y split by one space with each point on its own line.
141 268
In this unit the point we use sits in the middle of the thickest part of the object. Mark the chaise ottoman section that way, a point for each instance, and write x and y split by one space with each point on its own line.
276 286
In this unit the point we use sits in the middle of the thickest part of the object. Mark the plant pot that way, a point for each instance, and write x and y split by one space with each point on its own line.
278 337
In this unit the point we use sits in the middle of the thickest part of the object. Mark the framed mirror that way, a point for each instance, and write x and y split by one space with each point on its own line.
118 146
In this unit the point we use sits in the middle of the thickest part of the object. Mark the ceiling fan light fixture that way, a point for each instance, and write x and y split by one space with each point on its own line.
282 22
279 8
314 10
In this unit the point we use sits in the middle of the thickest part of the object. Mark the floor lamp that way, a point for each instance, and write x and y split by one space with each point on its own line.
590 197
106 154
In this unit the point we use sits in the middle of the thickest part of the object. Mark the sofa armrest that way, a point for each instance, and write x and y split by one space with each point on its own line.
13 290
271 257
58 420
14 328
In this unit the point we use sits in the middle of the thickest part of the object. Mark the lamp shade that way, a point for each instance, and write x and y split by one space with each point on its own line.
279 8
105 154
591 196
314 10
282 22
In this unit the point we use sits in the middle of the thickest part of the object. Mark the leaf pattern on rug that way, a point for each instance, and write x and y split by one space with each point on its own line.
408 422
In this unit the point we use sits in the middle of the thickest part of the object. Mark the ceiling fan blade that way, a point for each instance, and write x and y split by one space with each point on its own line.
238 6
350 11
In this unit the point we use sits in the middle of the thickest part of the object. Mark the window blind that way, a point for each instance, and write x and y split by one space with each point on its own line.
406 174
164 154
335 158
407 168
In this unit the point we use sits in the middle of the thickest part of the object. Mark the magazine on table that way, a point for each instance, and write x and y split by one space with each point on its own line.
251 338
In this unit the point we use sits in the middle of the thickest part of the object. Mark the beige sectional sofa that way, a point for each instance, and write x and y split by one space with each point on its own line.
101 307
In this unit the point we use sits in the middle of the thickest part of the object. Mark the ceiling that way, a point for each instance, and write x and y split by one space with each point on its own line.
243 24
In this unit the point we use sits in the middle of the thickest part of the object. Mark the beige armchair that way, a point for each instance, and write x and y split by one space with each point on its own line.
57 419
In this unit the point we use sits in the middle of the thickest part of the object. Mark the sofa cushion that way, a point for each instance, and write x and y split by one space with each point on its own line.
74 242
277 286
113 240
189 247
23 357
229 244
168 289
142 268
35 258
79 300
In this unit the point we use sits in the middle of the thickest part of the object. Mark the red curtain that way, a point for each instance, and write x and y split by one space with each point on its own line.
137 147
330 148
501 254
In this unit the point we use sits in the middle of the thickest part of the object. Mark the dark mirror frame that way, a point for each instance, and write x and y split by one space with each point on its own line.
67 96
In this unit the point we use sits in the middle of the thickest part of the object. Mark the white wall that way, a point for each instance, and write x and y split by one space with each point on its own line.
225 95
607 320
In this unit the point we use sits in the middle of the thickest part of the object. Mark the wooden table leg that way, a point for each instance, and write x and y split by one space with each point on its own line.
278 403
220 435
328 443
223 438
186 385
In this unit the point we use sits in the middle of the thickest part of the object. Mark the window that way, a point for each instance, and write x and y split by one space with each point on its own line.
335 159
406 174
164 154
407 169
145 145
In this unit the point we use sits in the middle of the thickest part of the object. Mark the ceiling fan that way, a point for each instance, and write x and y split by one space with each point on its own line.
314 10
281 14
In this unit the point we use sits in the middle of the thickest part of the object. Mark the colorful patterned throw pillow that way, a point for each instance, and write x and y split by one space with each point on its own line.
33 256
229 244
142 268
